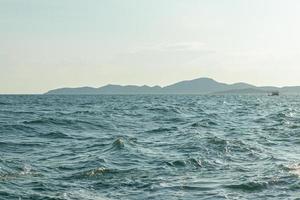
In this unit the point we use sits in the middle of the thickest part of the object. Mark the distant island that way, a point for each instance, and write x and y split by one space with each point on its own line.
196 86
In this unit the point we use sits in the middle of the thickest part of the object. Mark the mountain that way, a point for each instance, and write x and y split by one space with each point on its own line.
202 86
80 90
196 86
291 89
130 89
108 89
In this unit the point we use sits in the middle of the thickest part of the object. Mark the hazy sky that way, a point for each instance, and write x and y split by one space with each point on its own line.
46 44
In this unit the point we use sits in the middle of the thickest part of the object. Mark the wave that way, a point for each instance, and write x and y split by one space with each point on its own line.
165 110
118 143
162 130
294 169
18 127
56 135
9 144
26 170
282 116
78 113
82 194
187 188
122 143
191 162
97 172
217 141
71 123
251 186
17 112
47 121
4 103
205 123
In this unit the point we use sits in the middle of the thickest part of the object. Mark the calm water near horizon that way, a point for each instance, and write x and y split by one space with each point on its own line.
149 147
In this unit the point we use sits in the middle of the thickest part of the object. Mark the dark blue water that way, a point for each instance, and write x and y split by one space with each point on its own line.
149 147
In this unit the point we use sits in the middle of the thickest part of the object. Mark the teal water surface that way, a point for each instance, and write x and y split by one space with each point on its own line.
149 147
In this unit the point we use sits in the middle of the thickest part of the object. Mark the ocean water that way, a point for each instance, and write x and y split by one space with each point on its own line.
149 147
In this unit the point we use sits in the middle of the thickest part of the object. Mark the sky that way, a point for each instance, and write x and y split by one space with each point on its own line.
48 44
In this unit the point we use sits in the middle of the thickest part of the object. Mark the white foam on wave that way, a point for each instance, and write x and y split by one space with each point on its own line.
26 170
294 169
82 194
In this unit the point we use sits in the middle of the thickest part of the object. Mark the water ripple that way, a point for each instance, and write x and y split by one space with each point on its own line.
149 147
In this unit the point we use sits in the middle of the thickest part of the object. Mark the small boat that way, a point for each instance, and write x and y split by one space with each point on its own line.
274 93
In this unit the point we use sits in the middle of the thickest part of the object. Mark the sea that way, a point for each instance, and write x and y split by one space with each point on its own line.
185 147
